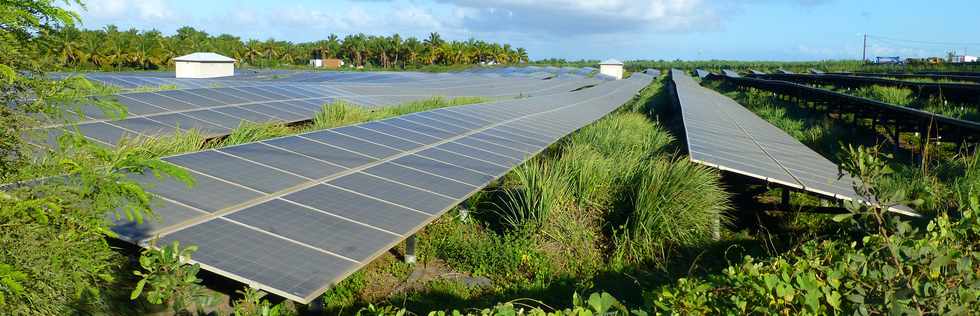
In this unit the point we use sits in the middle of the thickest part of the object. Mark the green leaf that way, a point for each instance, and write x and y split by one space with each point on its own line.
138 289
843 217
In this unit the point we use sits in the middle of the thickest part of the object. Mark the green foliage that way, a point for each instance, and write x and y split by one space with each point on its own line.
252 303
895 269
250 132
111 48
675 203
341 113
890 95
597 304
168 279
54 226
508 260
10 281
538 187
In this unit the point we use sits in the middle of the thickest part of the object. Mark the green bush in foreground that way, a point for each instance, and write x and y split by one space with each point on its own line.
895 269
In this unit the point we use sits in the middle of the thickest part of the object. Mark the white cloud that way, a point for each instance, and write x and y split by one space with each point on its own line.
591 16
132 12
153 10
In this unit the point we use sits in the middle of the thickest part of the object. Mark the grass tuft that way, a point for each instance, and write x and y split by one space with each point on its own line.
676 202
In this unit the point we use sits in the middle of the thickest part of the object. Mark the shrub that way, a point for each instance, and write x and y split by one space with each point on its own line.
675 202
894 269
591 176
537 187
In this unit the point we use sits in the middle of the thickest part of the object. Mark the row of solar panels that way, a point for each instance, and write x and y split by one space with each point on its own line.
295 215
942 128
723 134
129 80
957 92
216 111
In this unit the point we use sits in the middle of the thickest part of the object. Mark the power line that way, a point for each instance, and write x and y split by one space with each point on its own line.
924 42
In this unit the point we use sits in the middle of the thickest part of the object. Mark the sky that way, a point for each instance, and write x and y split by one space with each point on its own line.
588 29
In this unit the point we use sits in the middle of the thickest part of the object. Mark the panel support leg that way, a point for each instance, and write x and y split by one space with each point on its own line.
895 136
716 228
785 200
410 250
923 144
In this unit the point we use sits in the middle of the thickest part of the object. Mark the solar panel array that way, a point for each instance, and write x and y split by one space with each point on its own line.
723 134
215 111
295 215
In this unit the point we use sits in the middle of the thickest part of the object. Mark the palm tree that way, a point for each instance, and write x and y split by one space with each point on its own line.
521 55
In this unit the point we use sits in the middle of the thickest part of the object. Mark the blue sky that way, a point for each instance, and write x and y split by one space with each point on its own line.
591 29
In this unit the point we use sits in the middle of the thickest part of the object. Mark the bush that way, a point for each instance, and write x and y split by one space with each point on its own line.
676 202
535 189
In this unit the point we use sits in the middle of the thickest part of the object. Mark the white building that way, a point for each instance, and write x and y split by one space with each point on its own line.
204 65
612 68
963 59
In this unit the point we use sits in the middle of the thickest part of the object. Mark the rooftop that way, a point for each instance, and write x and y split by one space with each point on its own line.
205 57
611 61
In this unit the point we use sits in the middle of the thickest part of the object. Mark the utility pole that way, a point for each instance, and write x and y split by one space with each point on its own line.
864 51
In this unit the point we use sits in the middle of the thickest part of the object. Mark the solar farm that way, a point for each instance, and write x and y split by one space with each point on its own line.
293 215
297 215
200 174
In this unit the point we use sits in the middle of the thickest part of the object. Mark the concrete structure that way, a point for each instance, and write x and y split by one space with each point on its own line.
204 65
331 63
612 68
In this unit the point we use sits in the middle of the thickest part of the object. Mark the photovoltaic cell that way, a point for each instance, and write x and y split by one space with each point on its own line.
275 262
316 228
205 193
393 192
359 208
320 151
103 132
144 126
282 159
165 214
421 179
235 170
444 169
377 137
406 134
352 144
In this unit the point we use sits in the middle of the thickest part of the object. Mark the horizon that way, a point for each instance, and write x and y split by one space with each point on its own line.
583 30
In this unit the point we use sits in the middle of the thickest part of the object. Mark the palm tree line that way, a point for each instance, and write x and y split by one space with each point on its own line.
109 48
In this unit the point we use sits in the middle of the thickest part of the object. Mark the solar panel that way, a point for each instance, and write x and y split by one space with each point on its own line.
328 202
723 134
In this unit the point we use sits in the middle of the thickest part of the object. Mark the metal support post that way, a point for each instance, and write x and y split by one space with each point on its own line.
410 249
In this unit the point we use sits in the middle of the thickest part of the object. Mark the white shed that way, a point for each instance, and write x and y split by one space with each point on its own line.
612 68
204 65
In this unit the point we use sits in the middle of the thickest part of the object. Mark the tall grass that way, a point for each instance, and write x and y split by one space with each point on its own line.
159 146
250 132
627 135
340 113
538 188
591 177
677 202
891 95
